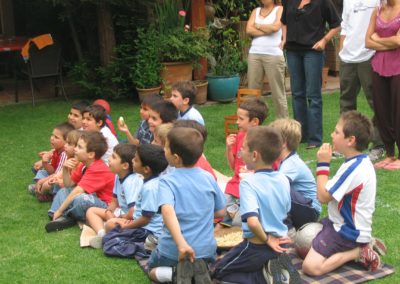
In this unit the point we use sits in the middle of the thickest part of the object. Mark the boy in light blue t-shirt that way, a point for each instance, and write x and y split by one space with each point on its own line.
189 198
149 161
126 189
305 205
264 204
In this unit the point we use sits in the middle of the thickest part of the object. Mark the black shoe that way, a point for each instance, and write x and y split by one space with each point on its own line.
60 224
286 264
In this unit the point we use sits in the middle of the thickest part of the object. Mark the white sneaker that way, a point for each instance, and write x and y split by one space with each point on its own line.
96 242
274 273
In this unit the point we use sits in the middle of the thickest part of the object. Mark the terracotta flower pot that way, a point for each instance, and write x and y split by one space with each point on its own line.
145 92
201 96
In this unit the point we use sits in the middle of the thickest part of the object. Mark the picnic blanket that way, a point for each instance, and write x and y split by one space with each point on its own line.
349 273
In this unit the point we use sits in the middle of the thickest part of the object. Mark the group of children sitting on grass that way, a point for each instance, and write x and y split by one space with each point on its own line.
160 186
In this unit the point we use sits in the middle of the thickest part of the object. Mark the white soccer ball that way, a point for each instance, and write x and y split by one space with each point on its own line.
304 238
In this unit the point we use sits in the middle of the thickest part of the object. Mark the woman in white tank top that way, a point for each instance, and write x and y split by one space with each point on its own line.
266 55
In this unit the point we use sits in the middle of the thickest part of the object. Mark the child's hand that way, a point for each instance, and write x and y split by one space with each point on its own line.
37 165
324 154
230 140
70 163
275 243
122 126
46 157
186 251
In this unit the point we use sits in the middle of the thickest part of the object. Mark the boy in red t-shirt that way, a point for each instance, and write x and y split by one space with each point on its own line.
90 184
51 161
252 112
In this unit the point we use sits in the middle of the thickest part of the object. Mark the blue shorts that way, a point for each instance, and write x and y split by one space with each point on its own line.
157 260
244 263
329 242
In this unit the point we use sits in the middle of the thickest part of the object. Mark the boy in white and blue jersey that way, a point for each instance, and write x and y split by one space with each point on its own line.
183 95
189 198
149 161
127 186
264 204
305 207
350 195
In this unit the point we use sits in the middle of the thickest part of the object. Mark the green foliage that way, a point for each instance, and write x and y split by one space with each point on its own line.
145 72
235 8
186 46
226 48
170 15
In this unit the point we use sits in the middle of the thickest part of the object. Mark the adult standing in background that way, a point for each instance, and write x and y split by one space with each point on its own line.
265 54
304 38
355 63
383 35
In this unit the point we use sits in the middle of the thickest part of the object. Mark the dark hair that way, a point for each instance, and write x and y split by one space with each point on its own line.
267 141
187 89
97 112
187 143
192 124
64 128
95 142
80 105
357 125
126 152
152 156
167 111
151 99
256 108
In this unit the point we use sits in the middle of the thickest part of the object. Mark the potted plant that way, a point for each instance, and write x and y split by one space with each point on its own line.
226 63
179 47
145 72
201 95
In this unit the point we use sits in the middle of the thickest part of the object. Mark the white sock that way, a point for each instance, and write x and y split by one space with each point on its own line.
101 233
164 274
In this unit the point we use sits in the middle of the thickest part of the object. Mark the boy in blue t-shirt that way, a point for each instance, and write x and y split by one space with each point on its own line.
149 161
189 198
126 189
305 205
264 204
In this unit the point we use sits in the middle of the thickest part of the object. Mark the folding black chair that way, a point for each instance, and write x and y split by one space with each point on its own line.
43 63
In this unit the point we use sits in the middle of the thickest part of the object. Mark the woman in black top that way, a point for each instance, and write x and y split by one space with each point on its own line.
304 24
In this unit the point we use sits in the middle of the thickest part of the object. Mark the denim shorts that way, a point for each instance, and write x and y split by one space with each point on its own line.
157 260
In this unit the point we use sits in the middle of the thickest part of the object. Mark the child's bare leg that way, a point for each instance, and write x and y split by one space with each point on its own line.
161 274
315 264
95 217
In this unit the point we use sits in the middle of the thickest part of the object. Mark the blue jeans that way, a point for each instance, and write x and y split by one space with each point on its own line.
305 68
77 208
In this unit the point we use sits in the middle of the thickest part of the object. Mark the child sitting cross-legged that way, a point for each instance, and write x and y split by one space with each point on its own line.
305 205
51 161
149 161
189 199
54 182
89 184
264 204
350 195
127 186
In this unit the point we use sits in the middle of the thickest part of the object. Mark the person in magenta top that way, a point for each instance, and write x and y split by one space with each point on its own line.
383 35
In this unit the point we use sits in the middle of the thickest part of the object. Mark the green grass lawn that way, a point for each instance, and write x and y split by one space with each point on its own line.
29 254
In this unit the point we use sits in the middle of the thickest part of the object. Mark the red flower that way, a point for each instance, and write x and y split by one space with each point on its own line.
182 13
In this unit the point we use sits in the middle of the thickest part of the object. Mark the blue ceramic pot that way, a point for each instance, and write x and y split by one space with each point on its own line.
222 88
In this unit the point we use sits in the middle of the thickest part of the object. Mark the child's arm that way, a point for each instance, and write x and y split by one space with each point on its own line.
273 242
74 193
324 156
69 165
129 214
46 161
136 223
124 128
230 141
220 213
172 224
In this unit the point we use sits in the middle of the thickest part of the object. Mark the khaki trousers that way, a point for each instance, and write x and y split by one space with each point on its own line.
274 67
